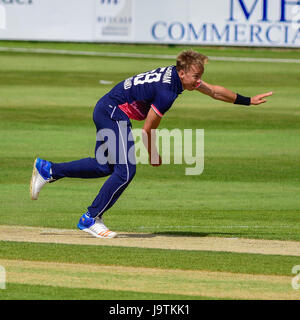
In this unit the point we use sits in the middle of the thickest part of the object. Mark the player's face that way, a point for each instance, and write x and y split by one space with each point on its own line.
190 79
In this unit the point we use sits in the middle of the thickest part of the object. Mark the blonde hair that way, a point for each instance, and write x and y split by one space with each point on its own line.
190 57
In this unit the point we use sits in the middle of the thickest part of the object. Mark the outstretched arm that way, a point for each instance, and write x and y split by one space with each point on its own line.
223 94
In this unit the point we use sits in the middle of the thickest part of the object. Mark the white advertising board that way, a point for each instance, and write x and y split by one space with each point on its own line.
267 23
53 20
221 22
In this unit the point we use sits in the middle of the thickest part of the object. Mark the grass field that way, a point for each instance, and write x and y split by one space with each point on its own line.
249 188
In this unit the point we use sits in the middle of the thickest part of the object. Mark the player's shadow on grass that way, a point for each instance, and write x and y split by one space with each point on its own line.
170 234
145 235
190 234
137 235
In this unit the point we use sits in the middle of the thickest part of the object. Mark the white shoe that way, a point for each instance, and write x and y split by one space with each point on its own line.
41 175
104 231
95 227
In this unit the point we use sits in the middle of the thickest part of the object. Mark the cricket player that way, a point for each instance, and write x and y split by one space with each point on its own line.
144 97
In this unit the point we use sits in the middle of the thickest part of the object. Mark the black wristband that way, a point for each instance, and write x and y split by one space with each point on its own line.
246 101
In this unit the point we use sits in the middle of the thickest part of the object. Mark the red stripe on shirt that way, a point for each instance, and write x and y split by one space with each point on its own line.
156 110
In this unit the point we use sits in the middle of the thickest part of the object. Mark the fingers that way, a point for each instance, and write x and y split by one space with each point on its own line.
260 101
268 94
155 160
260 98
265 95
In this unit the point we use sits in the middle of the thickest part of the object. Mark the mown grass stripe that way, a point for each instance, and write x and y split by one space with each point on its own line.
151 258
152 280
17 291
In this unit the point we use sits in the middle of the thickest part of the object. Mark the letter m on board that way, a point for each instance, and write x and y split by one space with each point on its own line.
248 11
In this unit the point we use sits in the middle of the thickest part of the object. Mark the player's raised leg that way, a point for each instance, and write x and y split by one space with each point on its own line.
41 175
46 171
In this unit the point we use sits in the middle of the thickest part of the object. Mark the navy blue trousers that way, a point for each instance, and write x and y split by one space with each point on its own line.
114 157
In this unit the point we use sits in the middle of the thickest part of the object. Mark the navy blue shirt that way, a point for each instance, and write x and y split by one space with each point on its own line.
156 89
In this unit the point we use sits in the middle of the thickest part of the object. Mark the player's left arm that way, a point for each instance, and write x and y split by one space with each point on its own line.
149 138
223 94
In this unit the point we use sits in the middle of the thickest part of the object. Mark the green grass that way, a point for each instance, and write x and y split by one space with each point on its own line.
250 183
249 187
157 49
151 258
41 292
